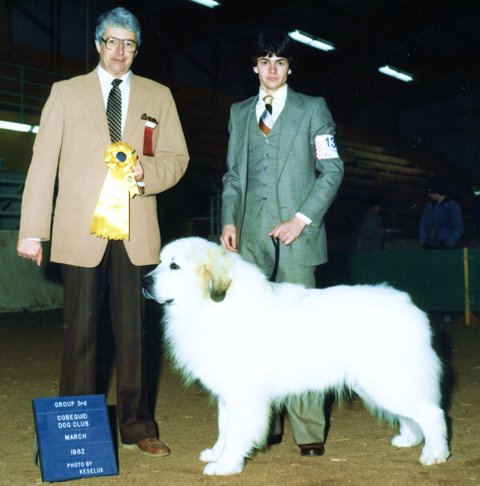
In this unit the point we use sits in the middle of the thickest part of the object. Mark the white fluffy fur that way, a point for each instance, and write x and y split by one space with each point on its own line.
256 343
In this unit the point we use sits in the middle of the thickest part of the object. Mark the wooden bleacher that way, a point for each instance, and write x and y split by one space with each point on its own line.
204 121
395 176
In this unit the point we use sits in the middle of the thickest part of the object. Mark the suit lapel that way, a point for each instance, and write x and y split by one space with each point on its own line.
246 110
137 105
94 101
291 119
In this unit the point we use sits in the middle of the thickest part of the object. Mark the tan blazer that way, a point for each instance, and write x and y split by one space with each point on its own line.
72 139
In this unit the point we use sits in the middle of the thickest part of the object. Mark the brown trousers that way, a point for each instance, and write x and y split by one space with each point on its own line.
115 283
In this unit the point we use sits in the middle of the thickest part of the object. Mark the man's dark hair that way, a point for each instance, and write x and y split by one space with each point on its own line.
272 42
437 186
374 200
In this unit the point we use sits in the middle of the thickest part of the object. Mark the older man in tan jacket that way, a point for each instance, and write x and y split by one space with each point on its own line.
98 271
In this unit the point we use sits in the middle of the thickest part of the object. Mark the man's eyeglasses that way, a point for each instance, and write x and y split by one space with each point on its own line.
111 43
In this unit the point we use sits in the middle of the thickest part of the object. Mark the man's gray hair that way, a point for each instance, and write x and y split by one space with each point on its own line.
118 18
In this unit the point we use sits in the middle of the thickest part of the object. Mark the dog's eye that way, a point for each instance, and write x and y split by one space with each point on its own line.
174 266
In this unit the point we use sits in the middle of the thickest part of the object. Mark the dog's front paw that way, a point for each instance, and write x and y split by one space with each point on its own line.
209 455
221 469
431 455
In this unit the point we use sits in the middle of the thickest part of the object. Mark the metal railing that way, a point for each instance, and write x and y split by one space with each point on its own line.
214 217
11 189
24 90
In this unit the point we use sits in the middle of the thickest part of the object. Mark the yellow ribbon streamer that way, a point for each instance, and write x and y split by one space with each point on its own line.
111 218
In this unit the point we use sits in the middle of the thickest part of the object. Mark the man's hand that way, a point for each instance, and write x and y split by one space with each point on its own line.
288 231
30 249
138 171
228 238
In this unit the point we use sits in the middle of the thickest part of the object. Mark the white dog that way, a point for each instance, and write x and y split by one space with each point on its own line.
253 344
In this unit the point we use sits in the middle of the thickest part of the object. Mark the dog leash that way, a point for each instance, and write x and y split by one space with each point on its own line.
276 244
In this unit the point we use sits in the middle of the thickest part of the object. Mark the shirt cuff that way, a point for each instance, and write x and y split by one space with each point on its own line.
304 218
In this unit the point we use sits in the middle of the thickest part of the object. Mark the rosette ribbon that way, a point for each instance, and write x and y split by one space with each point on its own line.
111 218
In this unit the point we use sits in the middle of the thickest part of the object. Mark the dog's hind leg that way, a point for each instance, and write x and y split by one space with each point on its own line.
431 420
245 425
211 455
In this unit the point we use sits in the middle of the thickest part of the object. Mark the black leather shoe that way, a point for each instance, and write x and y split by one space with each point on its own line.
313 449
274 439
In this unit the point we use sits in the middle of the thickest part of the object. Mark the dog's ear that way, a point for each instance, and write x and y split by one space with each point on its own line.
215 276
217 288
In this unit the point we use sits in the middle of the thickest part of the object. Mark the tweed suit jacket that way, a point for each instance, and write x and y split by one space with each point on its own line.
71 143
305 184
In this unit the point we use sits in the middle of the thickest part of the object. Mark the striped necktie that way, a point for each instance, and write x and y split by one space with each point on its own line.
114 111
266 121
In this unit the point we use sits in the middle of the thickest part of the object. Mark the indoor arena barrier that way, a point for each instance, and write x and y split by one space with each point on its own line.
24 285
446 280
437 280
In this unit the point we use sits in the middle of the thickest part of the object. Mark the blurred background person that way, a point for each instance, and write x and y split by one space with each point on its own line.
441 224
370 231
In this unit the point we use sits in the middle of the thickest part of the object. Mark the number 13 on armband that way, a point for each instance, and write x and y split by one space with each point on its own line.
325 147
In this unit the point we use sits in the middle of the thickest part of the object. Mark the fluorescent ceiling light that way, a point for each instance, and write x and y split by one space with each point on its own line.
396 73
311 41
207 3
18 127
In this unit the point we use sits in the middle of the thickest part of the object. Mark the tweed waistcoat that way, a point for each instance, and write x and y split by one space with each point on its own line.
261 196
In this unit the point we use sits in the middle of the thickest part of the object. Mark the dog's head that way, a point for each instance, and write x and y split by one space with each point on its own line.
190 268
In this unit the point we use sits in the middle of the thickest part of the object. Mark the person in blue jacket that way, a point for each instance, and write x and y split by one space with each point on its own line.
441 224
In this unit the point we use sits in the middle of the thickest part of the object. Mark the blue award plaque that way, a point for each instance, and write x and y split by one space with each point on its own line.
74 437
